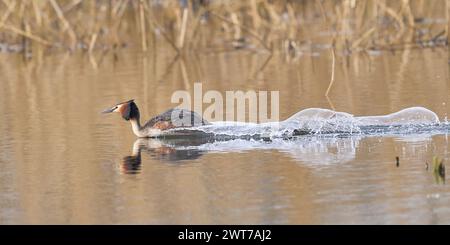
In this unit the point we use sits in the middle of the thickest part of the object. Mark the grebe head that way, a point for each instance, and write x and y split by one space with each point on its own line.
127 109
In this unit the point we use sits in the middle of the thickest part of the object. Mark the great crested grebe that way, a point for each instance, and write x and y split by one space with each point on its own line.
173 118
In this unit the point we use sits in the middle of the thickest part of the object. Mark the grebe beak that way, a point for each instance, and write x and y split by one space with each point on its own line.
109 110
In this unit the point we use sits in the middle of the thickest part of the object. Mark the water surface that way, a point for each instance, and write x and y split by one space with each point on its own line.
62 162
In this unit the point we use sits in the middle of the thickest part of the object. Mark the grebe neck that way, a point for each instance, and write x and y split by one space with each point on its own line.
137 129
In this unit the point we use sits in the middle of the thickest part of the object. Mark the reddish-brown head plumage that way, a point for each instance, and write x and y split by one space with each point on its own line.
128 110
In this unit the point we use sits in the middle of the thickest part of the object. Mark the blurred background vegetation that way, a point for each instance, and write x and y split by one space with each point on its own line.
293 27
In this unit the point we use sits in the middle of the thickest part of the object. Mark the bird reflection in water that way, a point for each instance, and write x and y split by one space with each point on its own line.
307 150
169 150
181 149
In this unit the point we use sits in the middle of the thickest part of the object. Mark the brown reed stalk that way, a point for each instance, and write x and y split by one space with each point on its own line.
66 24
37 13
184 22
142 23
92 43
333 68
155 25
25 34
333 57
249 31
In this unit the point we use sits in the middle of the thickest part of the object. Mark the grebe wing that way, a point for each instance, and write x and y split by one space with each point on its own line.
177 118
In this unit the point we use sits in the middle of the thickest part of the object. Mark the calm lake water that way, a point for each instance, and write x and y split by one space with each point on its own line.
62 162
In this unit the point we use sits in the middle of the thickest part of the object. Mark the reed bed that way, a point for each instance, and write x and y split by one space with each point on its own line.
292 27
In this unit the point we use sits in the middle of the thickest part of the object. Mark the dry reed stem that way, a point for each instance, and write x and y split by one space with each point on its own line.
37 13
71 6
184 75
66 24
26 43
184 22
93 62
255 15
142 22
28 35
392 13
333 57
363 37
237 29
118 16
194 33
411 23
7 14
249 31
330 103
322 10
92 43
162 32
115 8
333 68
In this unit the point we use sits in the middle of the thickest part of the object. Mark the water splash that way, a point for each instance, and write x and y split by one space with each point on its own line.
316 121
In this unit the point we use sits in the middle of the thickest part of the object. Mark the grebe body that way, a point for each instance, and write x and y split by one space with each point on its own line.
170 119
